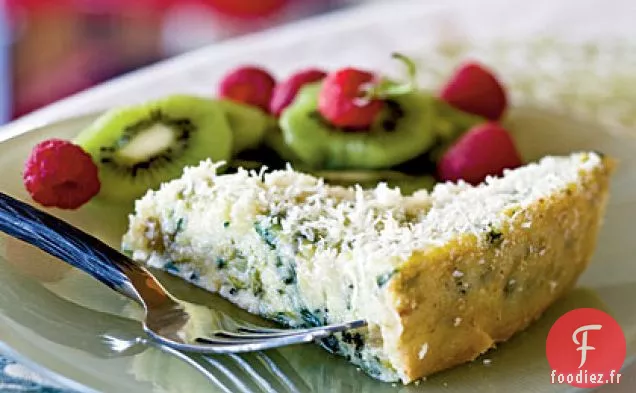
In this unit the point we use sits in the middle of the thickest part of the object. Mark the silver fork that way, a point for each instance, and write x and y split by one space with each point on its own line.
168 320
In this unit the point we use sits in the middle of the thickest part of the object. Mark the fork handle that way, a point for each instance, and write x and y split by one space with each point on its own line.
67 243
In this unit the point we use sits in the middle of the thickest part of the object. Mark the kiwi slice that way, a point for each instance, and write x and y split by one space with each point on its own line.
275 142
448 125
248 124
369 179
401 132
139 147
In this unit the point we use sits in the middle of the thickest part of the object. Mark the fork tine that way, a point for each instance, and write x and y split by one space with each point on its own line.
232 345
259 329
247 332
260 336
268 342
229 342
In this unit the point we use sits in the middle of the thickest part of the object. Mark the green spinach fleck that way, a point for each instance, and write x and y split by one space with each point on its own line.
179 227
284 318
257 284
383 279
240 262
237 283
289 275
494 236
309 318
220 263
268 234
171 267
355 339
331 344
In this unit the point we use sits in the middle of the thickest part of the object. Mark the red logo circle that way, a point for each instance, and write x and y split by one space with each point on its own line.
586 348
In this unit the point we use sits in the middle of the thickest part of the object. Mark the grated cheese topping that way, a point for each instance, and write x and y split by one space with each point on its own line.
423 351
380 224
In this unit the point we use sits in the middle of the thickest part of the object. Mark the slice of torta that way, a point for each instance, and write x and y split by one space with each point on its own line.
440 277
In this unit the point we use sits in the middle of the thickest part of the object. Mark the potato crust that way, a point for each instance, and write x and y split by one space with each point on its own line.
459 299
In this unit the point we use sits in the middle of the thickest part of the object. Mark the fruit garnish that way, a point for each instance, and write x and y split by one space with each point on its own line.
285 92
476 90
387 88
401 132
248 124
353 99
248 85
485 150
138 148
342 100
247 8
60 174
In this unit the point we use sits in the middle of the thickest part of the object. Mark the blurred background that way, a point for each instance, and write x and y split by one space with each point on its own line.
50 49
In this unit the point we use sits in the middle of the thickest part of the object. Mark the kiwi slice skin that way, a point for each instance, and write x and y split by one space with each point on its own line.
138 148
401 132
248 124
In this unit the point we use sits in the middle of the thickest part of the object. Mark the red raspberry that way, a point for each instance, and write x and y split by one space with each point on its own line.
484 150
475 90
285 92
248 85
61 174
341 99
248 8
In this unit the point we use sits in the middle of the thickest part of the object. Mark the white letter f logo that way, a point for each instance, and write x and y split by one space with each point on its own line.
584 347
